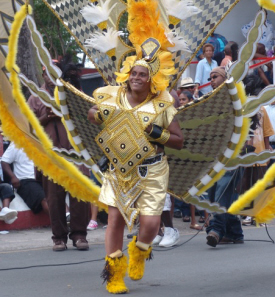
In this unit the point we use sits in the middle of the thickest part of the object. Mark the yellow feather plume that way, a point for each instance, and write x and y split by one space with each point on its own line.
143 22
45 159
267 4
160 81
266 214
254 192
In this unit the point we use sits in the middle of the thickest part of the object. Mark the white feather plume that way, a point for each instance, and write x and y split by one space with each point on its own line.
181 9
96 14
104 41
179 42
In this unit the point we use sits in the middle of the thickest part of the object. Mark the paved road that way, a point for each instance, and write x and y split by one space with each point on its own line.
190 270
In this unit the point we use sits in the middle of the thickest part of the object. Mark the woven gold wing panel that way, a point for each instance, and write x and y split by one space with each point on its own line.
207 125
78 111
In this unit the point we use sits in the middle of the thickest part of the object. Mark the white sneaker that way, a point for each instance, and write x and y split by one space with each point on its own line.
247 221
7 214
170 238
10 221
157 240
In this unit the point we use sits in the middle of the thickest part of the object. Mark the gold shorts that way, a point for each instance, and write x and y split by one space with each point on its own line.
152 199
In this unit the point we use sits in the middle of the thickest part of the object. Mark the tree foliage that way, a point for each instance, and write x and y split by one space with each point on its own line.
56 38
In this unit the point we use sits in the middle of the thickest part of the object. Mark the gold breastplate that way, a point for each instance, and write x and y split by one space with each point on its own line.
123 140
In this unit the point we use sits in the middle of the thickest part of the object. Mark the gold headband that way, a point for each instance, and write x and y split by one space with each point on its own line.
153 66
143 63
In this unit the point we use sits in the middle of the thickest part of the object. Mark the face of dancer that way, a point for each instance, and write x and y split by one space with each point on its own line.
216 80
139 79
183 99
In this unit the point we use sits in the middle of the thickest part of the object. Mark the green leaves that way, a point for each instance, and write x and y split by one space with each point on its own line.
56 38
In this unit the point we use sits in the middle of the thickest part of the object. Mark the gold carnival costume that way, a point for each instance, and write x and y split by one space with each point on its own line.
137 178
145 185
162 34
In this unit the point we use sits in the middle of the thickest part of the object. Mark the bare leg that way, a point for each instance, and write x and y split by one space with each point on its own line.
194 224
6 202
193 217
94 210
149 227
167 219
206 218
115 230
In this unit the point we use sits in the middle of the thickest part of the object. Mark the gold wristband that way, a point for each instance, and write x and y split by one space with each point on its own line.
97 116
164 137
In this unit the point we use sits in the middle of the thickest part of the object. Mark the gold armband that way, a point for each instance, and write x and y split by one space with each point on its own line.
164 137
98 117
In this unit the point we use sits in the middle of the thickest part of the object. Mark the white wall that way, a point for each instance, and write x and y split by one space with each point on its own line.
244 12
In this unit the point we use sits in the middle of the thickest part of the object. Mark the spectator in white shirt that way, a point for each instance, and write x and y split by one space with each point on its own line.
23 178
204 67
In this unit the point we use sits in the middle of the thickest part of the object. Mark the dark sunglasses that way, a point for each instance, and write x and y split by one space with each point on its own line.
213 77
191 87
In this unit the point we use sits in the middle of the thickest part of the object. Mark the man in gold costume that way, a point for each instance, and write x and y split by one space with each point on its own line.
139 122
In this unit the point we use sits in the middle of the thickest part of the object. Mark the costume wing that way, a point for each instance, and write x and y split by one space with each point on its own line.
188 24
212 127
215 127
20 124
74 107
214 137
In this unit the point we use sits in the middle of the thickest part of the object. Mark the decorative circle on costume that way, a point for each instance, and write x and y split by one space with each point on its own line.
161 105
113 58
130 163
123 146
145 149
146 119
115 160
138 156
100 140
107 150
171 26
122 170
106 111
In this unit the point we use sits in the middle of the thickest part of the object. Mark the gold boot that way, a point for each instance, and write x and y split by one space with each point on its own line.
114 273
138 253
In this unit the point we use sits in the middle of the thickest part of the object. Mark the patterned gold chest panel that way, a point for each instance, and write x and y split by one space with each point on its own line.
124 143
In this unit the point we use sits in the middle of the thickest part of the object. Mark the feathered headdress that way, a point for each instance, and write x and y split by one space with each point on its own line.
158 62
152 40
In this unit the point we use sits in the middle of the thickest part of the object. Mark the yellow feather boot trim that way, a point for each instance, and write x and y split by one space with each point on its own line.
137 259
114 273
